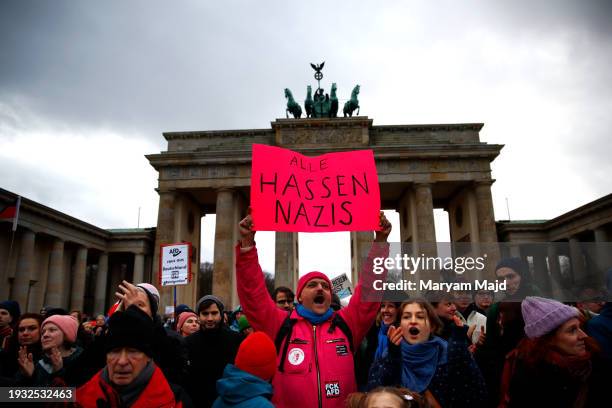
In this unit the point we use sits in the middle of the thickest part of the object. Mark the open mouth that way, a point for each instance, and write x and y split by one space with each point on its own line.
319 299
414 331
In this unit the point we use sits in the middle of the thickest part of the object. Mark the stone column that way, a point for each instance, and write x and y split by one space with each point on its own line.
164 235
37 292
78 282
604 249
473 215
286 266
101 280
600 234
426 228
25 269
542 279
487 231
408 216
138 268
577 261
361 242
554 270
486 217
55 281
224 266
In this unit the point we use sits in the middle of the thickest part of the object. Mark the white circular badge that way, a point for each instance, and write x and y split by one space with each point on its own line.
295 356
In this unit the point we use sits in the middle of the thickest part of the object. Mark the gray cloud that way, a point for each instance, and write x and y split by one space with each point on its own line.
144 67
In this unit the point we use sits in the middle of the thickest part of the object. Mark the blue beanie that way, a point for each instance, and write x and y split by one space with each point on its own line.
12 307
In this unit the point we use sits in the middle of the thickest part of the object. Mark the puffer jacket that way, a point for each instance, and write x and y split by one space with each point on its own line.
318 368
239 389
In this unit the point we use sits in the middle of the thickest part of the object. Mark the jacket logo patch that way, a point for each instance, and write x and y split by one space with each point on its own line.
295 356
332 389
341 350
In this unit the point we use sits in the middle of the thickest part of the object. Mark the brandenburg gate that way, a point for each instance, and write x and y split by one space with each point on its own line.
420 167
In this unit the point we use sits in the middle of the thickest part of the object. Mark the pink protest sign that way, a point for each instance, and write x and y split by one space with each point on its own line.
296 193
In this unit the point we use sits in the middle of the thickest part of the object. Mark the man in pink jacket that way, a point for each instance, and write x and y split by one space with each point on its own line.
315 358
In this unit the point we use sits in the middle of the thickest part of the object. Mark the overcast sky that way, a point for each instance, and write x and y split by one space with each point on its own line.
87 88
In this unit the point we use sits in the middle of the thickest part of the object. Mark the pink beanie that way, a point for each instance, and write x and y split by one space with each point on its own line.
183 318
310 276
67 324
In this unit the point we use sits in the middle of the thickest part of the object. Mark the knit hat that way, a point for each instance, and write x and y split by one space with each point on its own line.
516 264
243 323
257 356
310 276
66 323
152 294
183 318
208 298
543 315
131 328
182 308
12 307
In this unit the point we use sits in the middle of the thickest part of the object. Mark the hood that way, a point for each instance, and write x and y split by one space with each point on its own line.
236 386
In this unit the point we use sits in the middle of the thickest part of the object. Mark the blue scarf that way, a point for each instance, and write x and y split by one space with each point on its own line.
383 342
313 317
420 361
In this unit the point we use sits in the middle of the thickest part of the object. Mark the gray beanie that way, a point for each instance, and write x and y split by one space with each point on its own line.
211 298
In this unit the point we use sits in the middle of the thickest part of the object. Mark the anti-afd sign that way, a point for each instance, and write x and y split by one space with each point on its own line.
296 193
342 286
175 264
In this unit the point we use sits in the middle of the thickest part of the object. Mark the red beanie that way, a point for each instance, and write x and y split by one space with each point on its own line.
309 276
66 323
257 356
183 318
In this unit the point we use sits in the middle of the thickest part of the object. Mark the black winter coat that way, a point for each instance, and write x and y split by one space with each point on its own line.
209 352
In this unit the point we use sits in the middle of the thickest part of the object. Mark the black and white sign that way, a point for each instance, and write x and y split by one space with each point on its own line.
174 264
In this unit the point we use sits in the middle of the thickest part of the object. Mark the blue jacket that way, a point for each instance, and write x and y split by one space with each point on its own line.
238 388
600 328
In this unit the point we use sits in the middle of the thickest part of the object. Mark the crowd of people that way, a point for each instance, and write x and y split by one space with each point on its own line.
303 349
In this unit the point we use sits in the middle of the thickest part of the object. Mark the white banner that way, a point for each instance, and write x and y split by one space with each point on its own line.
174 264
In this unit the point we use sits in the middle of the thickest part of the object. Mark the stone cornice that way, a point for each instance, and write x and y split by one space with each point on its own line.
356 121
577 214
381 152
602 203
29 206
216 133
444 127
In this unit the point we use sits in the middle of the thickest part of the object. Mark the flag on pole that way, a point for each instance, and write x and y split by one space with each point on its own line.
10 210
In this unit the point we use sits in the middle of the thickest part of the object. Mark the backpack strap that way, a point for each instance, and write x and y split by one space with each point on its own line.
284 334
339 322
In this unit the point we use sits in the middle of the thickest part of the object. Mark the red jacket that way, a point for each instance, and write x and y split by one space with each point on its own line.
157 393
318 370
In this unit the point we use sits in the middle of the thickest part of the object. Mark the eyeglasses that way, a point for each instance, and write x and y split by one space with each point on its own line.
284 302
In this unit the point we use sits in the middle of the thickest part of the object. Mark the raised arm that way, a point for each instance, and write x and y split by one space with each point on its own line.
260 309
359 315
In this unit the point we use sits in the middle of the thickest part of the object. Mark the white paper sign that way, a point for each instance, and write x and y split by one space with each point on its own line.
342 286
175 265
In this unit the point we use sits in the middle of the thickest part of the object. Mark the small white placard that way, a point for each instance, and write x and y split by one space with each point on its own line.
342 286
175 266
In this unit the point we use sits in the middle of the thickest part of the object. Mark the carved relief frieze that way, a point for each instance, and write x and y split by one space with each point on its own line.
199 172
322 136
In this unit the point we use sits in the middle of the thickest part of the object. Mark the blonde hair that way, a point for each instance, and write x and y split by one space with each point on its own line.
405 398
